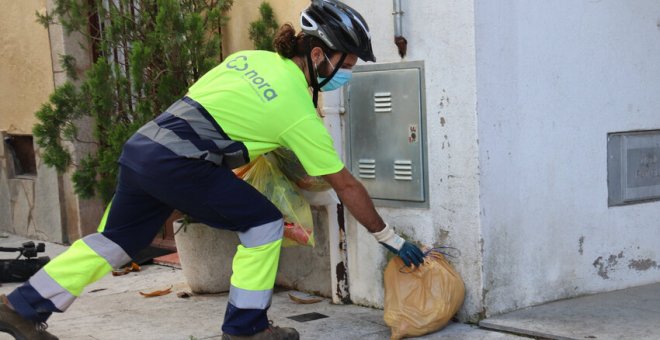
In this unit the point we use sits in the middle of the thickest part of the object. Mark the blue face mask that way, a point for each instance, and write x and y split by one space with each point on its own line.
340 78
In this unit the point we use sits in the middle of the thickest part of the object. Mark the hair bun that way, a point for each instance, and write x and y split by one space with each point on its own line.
285 41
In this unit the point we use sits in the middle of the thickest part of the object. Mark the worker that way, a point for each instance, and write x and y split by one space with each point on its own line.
250 104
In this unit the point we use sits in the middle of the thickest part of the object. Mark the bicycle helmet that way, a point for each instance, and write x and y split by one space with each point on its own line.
339 26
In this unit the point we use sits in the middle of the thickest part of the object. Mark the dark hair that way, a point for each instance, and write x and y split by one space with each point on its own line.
289 44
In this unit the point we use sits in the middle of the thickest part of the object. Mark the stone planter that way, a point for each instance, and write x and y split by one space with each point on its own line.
206 255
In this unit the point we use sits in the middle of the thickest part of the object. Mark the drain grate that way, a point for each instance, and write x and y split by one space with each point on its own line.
307 317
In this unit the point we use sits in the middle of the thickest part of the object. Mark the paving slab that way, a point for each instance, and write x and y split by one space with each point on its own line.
632 313
112 308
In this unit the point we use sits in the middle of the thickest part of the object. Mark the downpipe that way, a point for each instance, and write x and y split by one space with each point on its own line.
332 111
400 42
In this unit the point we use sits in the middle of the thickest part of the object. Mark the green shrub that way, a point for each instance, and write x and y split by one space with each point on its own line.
147 54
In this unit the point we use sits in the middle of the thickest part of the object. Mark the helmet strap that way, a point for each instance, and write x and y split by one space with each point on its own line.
312 78
314 73
334 71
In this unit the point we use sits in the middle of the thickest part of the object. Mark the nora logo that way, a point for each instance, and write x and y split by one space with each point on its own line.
258 83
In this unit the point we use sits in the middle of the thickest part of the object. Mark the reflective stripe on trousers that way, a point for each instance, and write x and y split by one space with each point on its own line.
254 270
255 266
56 285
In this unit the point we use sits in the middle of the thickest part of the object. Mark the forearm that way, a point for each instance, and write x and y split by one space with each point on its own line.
359 204
356 199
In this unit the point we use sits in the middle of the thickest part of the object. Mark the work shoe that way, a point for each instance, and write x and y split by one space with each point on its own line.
21 328
270 333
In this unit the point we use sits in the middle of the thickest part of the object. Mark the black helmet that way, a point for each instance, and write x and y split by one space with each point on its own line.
339 26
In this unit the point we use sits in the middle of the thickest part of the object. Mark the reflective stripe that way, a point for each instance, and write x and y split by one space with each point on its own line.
86 261
49 289
181 147
202 127
104 220
250 299
255 268
110 251
206 131
263 234
78 266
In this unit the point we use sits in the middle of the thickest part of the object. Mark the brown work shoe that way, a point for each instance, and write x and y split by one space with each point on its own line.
19 327
270 333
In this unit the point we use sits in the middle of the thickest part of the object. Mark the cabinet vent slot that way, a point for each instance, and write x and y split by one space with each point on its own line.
403 170
383 102
367 168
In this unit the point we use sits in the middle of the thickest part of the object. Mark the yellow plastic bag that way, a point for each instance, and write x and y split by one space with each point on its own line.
421 300
294 171
264 175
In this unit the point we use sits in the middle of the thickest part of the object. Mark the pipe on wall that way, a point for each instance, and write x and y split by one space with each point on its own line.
332 110
400 42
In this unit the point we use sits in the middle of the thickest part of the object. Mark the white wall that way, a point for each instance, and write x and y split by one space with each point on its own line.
441 33
553 78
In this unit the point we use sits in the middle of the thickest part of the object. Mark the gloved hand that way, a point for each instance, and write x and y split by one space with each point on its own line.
409 253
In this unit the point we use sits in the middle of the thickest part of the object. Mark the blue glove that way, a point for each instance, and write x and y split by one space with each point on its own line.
409 253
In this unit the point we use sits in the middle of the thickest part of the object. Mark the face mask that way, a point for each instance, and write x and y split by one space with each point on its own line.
338 80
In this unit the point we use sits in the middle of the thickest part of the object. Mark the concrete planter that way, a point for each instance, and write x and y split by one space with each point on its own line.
206 255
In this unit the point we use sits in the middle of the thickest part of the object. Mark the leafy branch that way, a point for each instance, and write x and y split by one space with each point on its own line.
262 31
147 54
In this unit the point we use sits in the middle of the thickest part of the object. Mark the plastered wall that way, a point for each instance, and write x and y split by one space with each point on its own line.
440 33
242 13
23 86
29 205
553 78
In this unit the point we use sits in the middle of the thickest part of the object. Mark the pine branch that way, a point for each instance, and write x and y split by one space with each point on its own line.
149 52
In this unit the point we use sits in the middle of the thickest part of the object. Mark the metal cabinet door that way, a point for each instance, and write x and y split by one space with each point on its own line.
385 131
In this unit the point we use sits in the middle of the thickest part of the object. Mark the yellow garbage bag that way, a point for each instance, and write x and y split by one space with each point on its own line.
294 171
421 300
264 175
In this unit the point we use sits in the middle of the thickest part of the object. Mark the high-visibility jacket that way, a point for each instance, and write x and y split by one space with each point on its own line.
252 103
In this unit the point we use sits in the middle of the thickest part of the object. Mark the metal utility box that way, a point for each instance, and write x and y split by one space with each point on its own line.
386 135
633 167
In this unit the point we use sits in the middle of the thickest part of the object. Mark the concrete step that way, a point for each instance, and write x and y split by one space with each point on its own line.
632 313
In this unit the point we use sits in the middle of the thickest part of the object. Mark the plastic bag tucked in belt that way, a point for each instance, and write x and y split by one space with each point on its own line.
263 174
421 300
293 170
